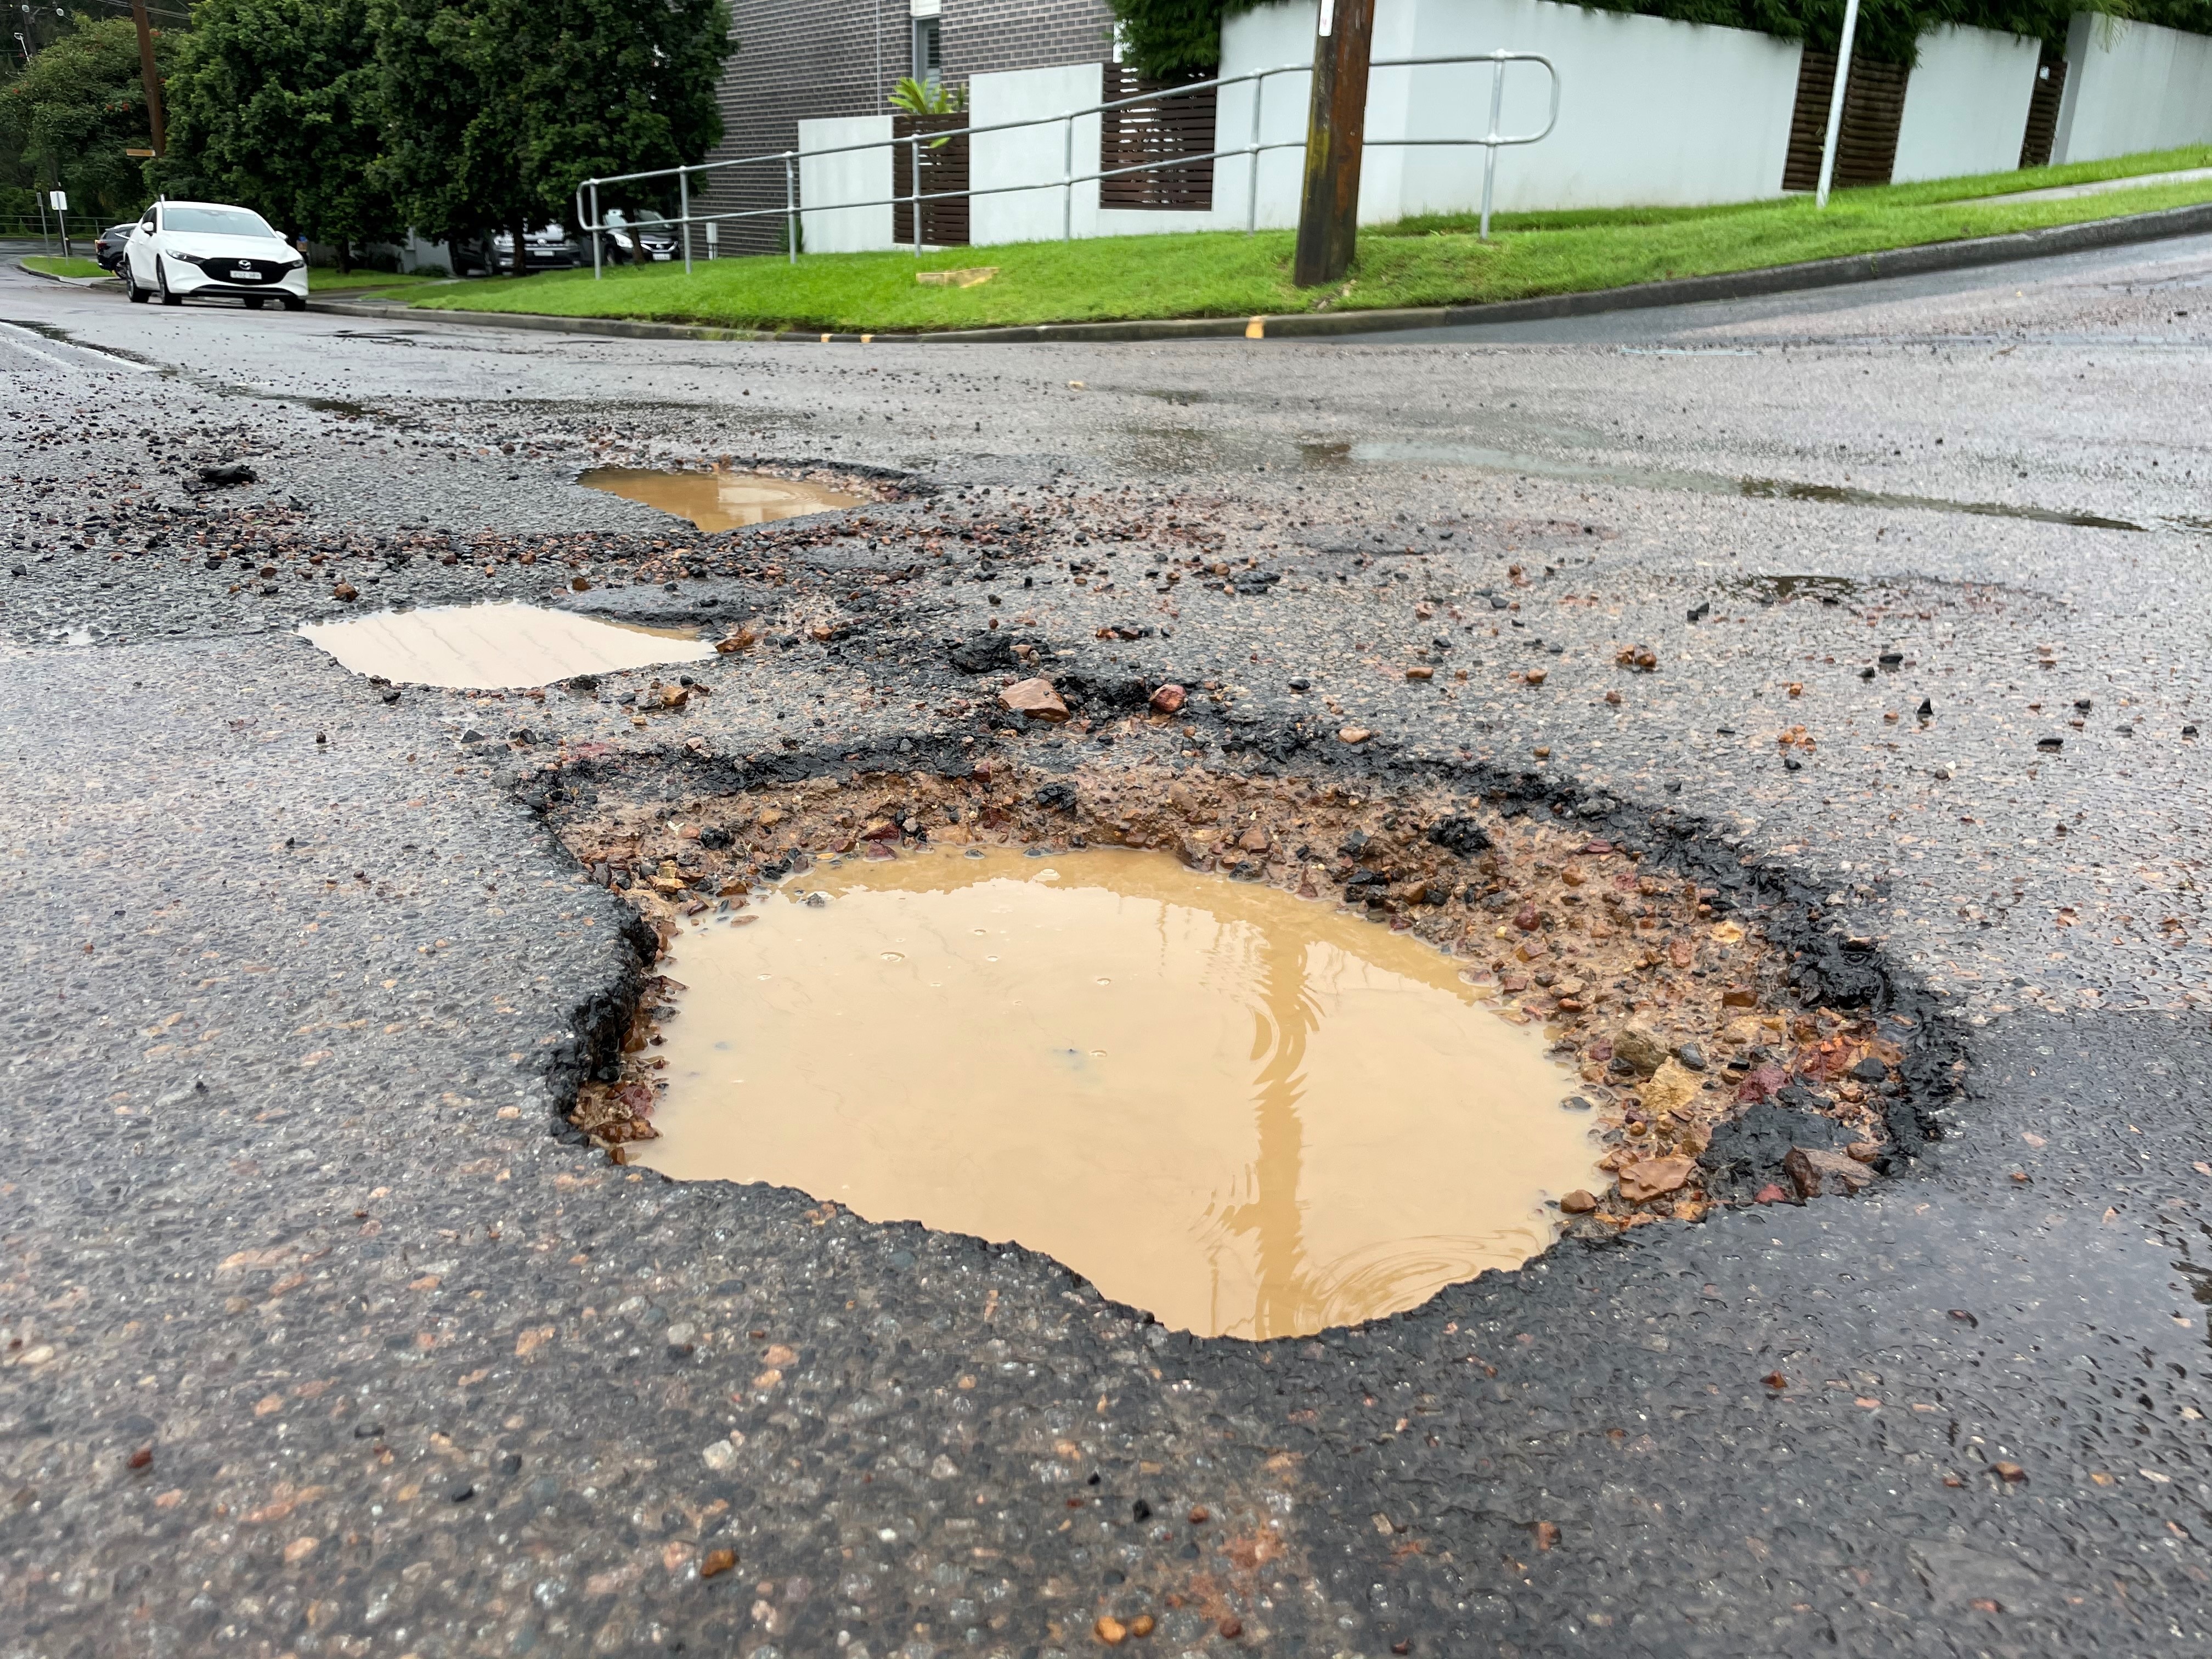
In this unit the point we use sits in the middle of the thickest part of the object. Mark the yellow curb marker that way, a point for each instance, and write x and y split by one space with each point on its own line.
1256 329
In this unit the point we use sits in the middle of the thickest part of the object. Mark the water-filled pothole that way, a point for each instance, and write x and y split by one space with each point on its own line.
499 646
719 500
1709 1067
1249 1114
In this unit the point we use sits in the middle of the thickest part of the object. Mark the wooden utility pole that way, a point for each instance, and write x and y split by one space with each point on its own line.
1329 214
151 76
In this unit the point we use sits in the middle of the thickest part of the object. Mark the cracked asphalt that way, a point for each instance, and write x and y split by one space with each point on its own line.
320 1335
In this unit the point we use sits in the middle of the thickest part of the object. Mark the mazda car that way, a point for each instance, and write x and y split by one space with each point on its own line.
206 250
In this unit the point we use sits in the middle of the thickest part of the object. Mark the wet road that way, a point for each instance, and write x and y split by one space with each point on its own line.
316 1341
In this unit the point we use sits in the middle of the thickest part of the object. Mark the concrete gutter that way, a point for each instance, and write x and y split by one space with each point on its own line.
2192 220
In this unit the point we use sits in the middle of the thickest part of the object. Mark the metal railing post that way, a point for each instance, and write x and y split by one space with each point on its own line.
913 145
683 212
1067 180
791 205
1490 144
1251 160
594 233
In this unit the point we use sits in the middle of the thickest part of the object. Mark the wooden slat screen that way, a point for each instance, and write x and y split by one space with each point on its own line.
944 168
2043 110
1874 105
1157 136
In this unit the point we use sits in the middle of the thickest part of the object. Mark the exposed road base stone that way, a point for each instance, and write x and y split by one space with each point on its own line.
1676 1014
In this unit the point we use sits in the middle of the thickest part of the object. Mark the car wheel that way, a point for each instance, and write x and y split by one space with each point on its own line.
137 295
162 276
293 302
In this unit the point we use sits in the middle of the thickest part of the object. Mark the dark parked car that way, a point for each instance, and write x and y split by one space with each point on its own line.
550 248
107 247
636 244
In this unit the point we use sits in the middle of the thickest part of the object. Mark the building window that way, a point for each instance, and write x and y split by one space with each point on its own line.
928 59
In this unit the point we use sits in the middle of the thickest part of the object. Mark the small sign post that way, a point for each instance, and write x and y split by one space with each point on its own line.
58 200
1836 103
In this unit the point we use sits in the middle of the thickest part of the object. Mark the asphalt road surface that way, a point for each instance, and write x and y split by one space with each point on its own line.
317 1338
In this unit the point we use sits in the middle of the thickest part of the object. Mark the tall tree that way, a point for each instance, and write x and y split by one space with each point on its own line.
68 116
495 109
274 104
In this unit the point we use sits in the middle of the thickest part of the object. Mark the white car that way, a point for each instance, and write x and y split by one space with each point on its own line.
202 250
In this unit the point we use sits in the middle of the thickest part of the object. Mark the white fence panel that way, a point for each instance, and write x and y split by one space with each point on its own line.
1966 106
2132 86
855 175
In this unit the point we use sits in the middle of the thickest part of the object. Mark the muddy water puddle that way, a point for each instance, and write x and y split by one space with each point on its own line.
718 500
494 647
1250 1115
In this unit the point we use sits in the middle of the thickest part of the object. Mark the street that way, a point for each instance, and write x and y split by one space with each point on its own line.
322 1334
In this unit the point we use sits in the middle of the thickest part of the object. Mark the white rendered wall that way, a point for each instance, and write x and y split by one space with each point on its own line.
1651 112
1036 156
1966 106
2132 86
1265 38
857 175
1272 37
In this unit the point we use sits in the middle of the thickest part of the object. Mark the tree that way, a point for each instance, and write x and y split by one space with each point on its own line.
69 115
1174 39
495 109
273 105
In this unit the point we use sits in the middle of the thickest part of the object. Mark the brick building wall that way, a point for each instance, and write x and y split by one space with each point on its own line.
984 36
795 59
801 59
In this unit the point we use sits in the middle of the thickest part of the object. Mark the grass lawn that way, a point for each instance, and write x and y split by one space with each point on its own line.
57 267
321 279
1434 260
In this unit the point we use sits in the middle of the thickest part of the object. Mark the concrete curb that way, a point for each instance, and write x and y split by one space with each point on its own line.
2191 221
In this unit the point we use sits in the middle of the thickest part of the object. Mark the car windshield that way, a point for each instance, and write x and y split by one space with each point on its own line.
216 221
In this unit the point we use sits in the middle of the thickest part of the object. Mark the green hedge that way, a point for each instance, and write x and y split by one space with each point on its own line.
1167 39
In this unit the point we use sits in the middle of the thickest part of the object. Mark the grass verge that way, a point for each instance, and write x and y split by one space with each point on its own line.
321 279
1430 261
53 266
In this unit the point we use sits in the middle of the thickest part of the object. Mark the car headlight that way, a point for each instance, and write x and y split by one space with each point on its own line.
191 259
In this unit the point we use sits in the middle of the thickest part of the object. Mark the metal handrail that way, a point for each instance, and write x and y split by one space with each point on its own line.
592 223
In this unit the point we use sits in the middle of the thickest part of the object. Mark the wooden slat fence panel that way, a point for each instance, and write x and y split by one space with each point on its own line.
2043 110
1157 136
944 168
1873 107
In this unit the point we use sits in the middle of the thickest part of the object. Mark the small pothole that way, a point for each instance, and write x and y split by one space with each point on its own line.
498 647
718 499
1693 1069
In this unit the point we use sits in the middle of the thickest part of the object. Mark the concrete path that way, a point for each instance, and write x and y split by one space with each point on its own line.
2103 186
